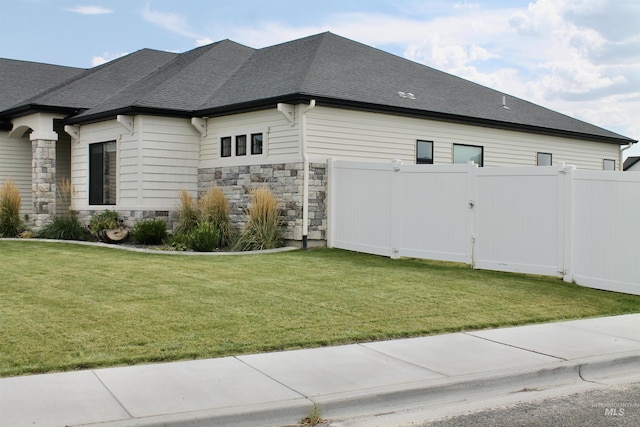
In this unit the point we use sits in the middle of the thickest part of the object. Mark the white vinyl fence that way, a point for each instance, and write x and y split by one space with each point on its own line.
583 226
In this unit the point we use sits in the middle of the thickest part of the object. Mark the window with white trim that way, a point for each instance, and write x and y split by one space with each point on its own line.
102 173
463 153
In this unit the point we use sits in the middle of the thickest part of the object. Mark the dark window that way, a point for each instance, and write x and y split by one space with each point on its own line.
424 152
102 173
225 146
464 153
609 165
545 159
241 145
256 143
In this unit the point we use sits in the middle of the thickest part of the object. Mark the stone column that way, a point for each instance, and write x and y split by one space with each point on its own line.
43 176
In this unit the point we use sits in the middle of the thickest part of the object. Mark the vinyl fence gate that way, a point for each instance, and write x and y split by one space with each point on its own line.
555 220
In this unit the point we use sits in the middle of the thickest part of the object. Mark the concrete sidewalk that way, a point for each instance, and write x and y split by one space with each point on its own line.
276 389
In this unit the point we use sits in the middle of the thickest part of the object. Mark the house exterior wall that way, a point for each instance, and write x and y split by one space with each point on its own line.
154 162
15 163
162 156
366 136
281 139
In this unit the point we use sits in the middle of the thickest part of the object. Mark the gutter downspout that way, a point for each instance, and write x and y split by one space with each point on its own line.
305 161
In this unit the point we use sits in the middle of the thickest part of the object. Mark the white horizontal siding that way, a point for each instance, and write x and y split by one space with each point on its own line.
280 139
169 160
357 135
15 164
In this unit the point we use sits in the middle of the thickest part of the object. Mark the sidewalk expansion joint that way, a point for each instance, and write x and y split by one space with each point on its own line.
275 380
519 348
112 395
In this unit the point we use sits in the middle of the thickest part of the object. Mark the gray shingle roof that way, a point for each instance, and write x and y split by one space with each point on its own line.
181 84
224 77
630 162
21 80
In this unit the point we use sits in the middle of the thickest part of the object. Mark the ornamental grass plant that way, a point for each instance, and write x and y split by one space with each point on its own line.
65 227
10 201
263 230
213 208
204 225
187 213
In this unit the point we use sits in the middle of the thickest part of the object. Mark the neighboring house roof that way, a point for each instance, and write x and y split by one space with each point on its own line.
226 77
630 162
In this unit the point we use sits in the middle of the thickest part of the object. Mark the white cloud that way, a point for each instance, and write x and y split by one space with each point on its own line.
172 22
558 53
106 57
204 41
90 10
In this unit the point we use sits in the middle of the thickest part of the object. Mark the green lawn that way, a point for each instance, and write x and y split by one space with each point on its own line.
65 306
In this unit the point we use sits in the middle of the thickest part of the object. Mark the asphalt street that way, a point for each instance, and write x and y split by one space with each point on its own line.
617 406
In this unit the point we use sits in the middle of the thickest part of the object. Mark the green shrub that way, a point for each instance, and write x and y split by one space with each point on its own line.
150 232
263 227
178 242
10 222
204 237
106 220
67 227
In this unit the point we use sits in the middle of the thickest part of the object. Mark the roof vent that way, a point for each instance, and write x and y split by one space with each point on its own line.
407 95
504 102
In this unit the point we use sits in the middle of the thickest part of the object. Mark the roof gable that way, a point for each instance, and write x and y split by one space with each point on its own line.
181 84
93 86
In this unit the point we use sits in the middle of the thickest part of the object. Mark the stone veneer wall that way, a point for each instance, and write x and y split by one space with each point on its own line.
286 182
43 181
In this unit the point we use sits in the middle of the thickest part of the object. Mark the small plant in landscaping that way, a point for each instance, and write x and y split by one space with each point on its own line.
204 237
150 232
178 243
263 227
65 227
106 220
10 202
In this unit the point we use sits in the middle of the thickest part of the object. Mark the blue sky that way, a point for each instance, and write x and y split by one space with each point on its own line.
578 57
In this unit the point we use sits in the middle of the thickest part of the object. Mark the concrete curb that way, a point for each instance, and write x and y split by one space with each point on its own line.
598 371
401 397
124 247
273 414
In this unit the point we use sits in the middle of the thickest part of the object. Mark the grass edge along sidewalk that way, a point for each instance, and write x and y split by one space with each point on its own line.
65 307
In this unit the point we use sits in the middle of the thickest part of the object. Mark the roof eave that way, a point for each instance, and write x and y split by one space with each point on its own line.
25 110
133 110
